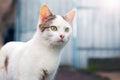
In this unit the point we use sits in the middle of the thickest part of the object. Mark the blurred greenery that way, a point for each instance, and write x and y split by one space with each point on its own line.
91 69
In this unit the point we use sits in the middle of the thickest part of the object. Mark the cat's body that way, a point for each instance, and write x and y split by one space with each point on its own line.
37 59
21 64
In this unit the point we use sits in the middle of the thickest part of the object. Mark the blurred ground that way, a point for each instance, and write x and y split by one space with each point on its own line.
68 73
111 75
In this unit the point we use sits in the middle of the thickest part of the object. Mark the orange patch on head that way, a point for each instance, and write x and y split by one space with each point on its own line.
44 13
46 24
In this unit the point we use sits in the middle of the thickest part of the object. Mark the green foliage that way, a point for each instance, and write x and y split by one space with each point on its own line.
91 69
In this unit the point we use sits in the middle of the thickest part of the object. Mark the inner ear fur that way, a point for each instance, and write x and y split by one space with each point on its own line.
45 12
69 17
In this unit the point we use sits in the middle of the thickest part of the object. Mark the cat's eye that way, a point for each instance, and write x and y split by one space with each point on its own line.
67 29
53 28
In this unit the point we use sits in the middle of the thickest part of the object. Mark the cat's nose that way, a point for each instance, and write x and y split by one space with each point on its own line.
62 36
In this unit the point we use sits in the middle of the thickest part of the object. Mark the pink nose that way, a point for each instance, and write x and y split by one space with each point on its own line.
62 36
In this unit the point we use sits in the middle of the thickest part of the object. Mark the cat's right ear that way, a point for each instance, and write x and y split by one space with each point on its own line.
45 13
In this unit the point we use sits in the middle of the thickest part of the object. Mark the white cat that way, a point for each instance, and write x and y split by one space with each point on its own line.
37 59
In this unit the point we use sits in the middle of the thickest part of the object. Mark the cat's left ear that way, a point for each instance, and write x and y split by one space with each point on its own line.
69 17
45 12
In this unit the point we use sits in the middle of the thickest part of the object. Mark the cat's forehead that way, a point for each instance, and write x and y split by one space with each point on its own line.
60 21
55 20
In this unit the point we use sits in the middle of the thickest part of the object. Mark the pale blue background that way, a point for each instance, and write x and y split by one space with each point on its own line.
96 31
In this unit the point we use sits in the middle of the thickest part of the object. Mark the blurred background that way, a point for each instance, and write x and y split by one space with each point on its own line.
94 50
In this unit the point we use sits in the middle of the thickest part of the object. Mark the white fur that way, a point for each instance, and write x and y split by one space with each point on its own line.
28 59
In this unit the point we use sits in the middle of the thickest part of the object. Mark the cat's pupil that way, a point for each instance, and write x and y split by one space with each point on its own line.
67 29
53 28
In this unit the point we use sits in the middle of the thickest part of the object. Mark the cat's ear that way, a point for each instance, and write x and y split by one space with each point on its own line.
45 13
69 17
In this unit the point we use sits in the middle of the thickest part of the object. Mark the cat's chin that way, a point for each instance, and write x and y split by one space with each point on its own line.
59 43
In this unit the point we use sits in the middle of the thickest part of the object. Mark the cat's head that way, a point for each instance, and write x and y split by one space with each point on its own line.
55 29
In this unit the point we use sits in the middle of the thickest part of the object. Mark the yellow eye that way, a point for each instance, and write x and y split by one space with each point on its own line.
53 28
66 29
